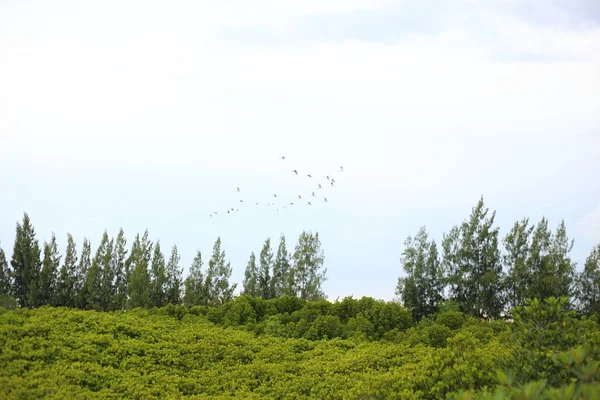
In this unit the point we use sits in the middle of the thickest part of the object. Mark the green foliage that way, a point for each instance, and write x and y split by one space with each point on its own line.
264 279
174 277
421 290
66 286
308 273
473 264
541 330
26 264
282 281
195 290
5 275
217 277
589 283
250 284
158 278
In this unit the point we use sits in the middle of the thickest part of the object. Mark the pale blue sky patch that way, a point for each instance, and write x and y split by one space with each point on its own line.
148 115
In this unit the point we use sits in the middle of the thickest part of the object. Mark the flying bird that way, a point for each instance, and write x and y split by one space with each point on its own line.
294 171
326 177
320 187
238 189
282 157
313 194
341 169
274 195
325 199
309 175
309 203
291 204
241 201
300 197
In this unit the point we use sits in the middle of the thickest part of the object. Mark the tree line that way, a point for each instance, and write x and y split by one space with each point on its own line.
485 281
116 277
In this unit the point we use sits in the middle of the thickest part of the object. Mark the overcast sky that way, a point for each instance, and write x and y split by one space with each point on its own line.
146 114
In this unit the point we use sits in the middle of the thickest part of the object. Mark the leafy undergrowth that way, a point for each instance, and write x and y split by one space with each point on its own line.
60 353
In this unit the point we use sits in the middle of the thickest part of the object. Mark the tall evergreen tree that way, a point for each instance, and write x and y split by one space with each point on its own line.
49 274
121 275
281 283
195 291
158 278
85 263
519 277
250 284
68 276
421 290
308 273
94 279
589 283
5 275
174 277
551 268
473 264
264 271
139 282
108 289
218 274
26 264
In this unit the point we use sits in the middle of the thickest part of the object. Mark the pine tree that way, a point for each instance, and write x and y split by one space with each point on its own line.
68 276
5 276
139 282
85 264
108 290
564 267
118 262
94 279
174 277
473 264
308 273
589 283
251 278
26 264
281 283
158 278
519 278
551 268
264 271
421 290
49 274
195 291
217 277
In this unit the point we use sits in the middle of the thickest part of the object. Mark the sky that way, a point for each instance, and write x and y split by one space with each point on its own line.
148 115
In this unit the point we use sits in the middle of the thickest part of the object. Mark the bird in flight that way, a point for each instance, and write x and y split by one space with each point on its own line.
313 194
309 203
341 169
274 195
320 187
300 197
238 189
324 199
282 157
241 201
294 171
309 175
291 204
326 177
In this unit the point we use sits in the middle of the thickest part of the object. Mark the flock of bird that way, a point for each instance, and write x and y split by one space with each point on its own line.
278 201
